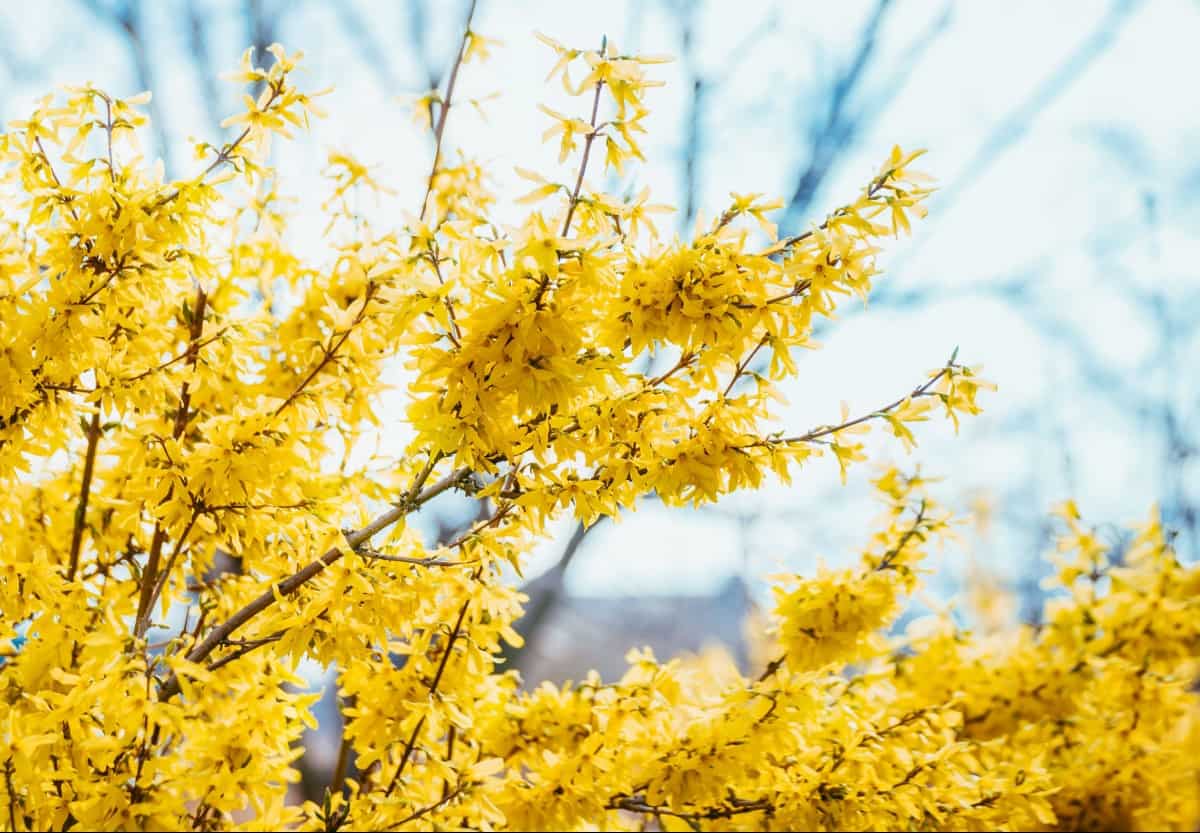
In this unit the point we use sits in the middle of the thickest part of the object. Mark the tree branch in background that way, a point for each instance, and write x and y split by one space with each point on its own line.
374 54
1013 127
702 85
19 66
260 25
830 136
200 48
544 595
692 134
418 36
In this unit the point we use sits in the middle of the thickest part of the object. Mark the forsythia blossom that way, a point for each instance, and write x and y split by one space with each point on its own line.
187 512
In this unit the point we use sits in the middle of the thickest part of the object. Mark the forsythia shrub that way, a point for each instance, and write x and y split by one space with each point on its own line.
188 512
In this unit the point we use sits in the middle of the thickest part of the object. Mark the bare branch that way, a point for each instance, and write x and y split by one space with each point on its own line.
201 49
587 150
444 110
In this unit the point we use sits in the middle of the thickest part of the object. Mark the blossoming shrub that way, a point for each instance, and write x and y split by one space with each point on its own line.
188 511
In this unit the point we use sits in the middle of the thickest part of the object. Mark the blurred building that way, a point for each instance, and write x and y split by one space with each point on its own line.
580 633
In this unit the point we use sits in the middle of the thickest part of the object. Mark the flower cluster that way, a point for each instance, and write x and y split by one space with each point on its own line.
197 499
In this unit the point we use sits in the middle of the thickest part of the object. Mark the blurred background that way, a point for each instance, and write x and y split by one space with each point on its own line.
1060 252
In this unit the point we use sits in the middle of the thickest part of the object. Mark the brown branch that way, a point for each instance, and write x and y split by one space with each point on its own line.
218 636
85 488
244 646
185 354
500 514
338 779
818 433
151 585
587 150
12 793
37 140
454 332
888 557
438 132
638 804
195 331
684 361
108 131
799 289
226 153
873 189
428 561
330 352
127 18
444 110
772 666
743 364
429 808
165 573
433 686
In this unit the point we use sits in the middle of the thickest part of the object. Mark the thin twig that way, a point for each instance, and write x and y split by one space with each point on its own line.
165 573
244 647
818 433
743 364
185 354
890 556
225 154
684 361
428 561
444 111
454 332
638 804
330 352
433 686
337 780
587 150
429 808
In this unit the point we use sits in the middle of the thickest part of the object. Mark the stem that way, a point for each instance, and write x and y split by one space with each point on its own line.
336 782
85 489
226 152
428 561
161 583
817 433
184 355
891 555
587 152
445 110
429 808
743 364
872 190
437 679
108 130
330 352
151 586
